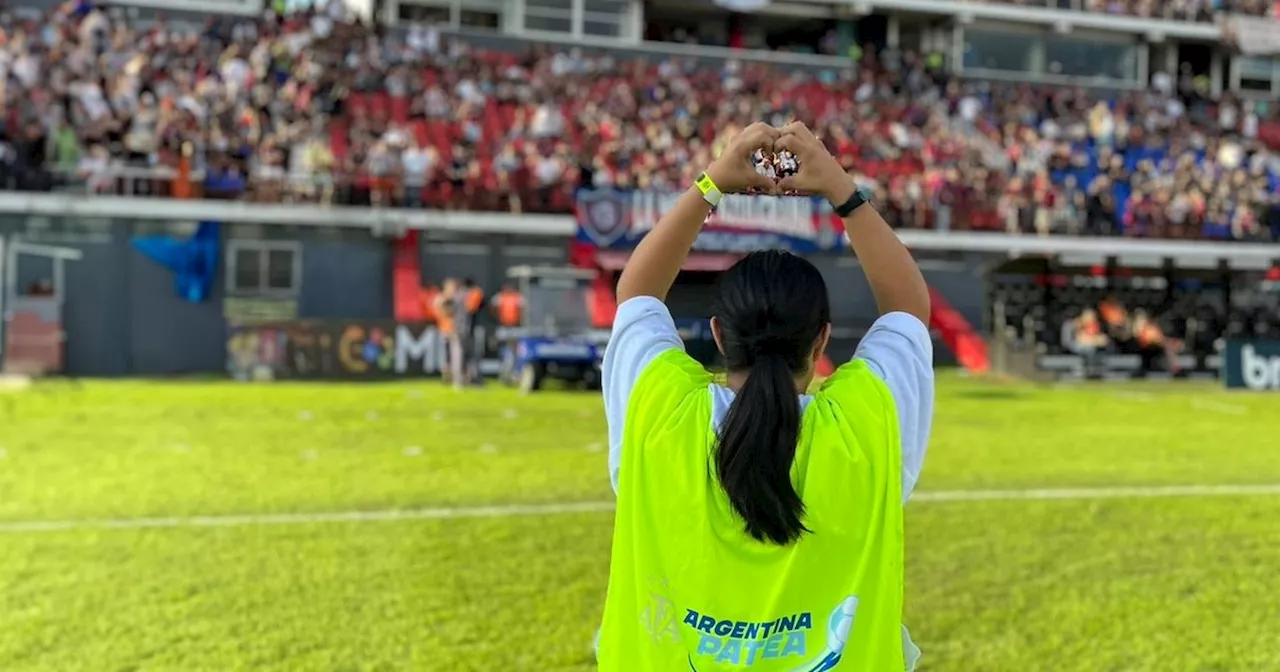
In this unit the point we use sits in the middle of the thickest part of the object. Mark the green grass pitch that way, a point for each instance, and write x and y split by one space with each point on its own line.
1089 584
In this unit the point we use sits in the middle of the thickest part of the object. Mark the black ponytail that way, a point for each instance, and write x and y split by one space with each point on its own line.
772 307
757 444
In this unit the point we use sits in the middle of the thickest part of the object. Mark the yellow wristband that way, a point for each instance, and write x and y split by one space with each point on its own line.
710 192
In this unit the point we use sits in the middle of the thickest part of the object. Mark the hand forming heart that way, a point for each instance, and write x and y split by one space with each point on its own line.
733 171
816 171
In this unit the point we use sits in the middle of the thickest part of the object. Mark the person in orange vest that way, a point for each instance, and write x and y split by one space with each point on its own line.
1152 343
182 186
473 301
508 306
452 318
474 296
429 296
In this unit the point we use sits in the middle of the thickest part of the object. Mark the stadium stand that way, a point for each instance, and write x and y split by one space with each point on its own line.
311 107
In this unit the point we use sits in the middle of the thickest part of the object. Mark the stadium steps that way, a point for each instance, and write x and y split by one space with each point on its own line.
406 278
957 334
604 302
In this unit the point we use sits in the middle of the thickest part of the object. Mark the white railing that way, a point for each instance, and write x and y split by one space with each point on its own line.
392 222
252 8
125 180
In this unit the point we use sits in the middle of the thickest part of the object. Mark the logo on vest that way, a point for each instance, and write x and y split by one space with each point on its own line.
659 616
726 642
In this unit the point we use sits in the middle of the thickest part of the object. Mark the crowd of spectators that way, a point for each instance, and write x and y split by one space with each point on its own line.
1176 10
85 95
311 107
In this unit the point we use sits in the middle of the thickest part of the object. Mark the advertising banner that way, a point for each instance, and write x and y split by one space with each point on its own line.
1252 365
381 349
617 220
337 349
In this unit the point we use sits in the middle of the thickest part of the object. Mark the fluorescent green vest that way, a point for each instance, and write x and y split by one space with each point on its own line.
689 590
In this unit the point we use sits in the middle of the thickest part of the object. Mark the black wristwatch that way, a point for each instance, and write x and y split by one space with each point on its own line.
857 199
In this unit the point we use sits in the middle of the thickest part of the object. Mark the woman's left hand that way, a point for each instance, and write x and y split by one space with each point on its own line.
734 173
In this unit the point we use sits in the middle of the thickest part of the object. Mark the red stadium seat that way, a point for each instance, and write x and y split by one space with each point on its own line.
379 105
358 104
338 141
418 128
399 109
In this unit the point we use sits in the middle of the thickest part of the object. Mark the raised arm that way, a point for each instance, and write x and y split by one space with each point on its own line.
893 275
657 260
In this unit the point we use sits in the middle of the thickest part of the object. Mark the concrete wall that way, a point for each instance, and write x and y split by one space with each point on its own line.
165 334
853 306
346 279
120 312
486 259
123 317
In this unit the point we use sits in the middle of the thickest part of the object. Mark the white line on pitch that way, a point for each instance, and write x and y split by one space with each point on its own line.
305 518
561 508
1218 407
1119 492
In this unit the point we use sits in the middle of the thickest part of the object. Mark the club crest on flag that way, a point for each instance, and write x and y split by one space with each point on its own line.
601 216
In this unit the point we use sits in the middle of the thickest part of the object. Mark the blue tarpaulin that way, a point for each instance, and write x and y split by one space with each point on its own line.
193 261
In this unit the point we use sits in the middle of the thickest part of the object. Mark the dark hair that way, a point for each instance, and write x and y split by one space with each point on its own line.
771 307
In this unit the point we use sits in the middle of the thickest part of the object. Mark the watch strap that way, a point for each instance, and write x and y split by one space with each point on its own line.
856 200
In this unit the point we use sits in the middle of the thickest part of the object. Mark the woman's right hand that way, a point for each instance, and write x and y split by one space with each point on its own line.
818 172
733 172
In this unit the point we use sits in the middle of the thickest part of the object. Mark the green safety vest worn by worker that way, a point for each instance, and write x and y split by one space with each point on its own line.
690 591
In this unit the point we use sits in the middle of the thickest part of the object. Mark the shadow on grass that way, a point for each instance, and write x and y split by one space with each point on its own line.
992 395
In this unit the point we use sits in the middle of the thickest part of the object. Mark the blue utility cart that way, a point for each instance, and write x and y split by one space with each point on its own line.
555 340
